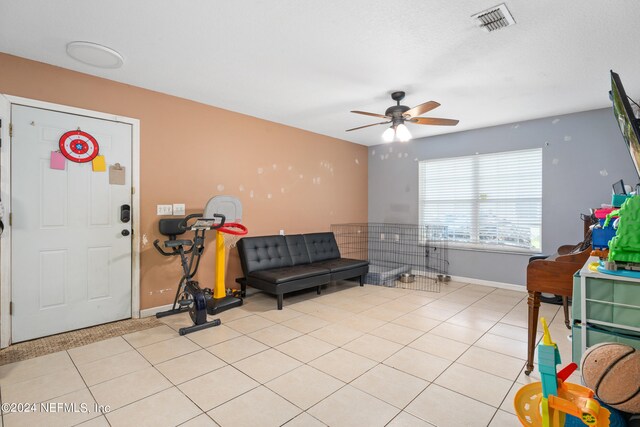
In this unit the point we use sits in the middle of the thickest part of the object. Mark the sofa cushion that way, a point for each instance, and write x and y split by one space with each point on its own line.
321 246
297 249
340 264
264 252
288 274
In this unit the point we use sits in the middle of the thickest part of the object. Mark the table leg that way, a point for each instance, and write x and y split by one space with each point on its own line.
565 307
534 308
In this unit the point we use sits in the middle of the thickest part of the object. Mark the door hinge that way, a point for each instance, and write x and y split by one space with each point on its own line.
10 219
11 129
133 190
10 308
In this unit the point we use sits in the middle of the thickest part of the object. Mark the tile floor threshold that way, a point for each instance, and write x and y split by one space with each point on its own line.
68 340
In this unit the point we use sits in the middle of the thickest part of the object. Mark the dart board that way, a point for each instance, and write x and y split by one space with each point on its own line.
78 146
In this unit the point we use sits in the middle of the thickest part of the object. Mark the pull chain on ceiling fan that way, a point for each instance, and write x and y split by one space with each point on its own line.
398 114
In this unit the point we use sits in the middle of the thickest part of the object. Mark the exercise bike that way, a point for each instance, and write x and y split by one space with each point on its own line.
190 297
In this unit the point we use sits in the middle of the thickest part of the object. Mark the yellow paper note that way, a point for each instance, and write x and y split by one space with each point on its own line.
99 164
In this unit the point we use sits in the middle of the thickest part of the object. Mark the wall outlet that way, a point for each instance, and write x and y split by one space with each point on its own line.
282 232
178 209
164 210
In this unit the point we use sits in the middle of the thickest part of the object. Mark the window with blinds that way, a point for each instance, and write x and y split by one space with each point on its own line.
487 201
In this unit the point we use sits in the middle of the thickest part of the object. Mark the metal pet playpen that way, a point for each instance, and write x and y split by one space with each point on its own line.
400 255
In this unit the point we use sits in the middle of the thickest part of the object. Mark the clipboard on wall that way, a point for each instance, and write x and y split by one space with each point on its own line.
117 174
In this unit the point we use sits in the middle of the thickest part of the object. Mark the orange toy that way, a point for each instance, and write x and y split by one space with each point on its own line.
546 402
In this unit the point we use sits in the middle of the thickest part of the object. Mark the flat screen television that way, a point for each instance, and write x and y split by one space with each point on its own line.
629 124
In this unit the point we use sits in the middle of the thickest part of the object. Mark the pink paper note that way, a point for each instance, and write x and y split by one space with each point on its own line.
57 160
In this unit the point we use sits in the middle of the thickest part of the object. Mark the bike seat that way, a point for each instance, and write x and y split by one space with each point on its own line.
176 243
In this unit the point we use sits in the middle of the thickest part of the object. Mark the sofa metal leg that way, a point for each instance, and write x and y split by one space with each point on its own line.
361 280
280 301
319 290
243 289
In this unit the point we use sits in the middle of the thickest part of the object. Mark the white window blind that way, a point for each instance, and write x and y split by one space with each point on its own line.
487 201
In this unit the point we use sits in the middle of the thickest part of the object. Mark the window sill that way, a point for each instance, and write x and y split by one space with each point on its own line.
501 250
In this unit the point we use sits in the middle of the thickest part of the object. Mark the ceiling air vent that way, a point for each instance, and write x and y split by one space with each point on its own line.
494 18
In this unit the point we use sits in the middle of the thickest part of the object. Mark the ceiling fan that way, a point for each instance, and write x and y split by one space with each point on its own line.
398 114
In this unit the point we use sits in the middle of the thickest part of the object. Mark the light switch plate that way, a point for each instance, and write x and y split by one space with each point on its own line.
164 210
178 209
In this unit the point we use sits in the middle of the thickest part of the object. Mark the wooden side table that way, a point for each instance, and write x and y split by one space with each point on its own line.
554 276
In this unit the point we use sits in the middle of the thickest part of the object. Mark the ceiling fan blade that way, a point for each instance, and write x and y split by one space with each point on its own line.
421 109
433 121
366 126
370 114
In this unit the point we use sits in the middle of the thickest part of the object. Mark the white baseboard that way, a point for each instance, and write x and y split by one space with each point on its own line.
501 285
148 312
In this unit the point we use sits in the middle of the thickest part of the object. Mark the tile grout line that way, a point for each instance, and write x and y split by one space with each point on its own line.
151 365
515 381
185 395
170 382
260 384
362 333
307 364
1 411
434 380
382 363
129 373
87 386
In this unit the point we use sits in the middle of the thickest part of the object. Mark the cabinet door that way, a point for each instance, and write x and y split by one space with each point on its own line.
596 290
627 294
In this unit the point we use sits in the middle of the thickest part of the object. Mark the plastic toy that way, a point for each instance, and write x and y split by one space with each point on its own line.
231 208
545 403
601 234
624 248
600 253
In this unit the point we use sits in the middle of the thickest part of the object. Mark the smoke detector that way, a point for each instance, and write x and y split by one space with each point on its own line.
94 54
494 18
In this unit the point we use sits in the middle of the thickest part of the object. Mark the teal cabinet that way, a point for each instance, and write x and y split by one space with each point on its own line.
605 308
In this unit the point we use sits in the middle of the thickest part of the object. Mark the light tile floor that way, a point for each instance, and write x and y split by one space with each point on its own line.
353 356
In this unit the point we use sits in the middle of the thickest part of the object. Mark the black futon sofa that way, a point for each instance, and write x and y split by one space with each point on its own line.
282 264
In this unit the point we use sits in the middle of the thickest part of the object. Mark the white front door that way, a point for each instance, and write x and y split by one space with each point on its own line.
71 259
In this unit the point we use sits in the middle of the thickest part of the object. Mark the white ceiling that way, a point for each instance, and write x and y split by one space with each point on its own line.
307 63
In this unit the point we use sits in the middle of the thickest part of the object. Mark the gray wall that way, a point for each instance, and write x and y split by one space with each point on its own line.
583 155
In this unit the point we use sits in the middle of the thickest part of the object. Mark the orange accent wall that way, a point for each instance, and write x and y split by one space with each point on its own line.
286 178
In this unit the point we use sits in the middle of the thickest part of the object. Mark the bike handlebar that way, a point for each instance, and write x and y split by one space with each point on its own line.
183 226
159 249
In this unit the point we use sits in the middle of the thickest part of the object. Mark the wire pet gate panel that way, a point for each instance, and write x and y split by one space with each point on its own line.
400 255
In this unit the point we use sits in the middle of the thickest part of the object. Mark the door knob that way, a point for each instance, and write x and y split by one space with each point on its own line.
125 232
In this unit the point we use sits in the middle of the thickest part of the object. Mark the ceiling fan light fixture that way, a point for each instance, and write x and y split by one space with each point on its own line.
398 114
389 134
402 132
